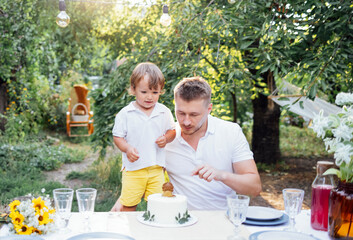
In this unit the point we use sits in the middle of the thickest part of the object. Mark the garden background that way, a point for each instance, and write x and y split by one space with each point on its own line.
244 49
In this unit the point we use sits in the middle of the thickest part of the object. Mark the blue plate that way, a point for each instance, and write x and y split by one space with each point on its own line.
273 222
270 235
100 235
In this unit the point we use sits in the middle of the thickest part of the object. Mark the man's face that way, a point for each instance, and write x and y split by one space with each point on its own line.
192 116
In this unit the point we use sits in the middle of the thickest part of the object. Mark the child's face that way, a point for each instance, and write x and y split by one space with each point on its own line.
146 98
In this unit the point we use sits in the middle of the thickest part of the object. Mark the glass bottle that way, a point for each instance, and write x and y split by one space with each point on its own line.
340 214
320 194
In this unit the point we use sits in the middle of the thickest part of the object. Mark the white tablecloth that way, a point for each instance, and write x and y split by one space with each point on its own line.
211 225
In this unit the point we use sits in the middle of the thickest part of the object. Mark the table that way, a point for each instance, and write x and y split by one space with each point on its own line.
211 225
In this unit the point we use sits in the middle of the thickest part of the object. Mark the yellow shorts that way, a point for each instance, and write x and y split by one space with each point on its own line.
139 183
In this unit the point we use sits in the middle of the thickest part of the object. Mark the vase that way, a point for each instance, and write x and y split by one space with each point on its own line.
340 214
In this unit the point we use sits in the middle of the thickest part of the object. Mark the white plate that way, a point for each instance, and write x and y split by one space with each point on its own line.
263 213
21 237
191 221
280 235
100 235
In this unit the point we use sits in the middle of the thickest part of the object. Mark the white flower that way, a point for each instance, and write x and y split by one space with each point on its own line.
320 124
344 98
330 144
337 132
343 153
342 132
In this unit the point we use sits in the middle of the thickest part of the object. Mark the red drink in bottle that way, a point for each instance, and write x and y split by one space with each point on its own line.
320 195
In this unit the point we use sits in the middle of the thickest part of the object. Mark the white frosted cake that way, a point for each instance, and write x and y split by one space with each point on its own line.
167 208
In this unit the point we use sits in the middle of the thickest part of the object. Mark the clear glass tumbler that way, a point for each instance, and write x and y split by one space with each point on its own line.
293 200
86 198
63 203
237 207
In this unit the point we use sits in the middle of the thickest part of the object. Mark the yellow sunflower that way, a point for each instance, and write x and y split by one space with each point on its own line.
51 211
35 230
23 229
38 204
44 219
17 218
13 205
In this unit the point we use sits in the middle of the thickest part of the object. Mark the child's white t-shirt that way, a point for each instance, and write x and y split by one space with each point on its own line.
141 131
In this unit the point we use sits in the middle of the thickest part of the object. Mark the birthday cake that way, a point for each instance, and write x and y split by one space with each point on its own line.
166 207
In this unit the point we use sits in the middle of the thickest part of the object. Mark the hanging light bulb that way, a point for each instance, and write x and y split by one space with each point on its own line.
62 19
166 20
231 1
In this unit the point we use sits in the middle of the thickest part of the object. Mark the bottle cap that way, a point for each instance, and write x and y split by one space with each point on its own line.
322 166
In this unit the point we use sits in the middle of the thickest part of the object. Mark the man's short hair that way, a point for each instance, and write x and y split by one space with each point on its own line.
193 88
154 74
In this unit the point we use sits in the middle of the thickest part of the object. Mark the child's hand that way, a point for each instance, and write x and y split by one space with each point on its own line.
132 154
161 141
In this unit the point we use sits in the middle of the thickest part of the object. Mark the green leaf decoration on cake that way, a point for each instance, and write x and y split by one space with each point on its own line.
183 219
148 217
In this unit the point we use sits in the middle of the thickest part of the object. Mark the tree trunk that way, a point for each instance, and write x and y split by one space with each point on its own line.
3 103
265 134
235 109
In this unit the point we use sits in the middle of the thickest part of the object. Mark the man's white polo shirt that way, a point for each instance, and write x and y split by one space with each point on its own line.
141 131
223 144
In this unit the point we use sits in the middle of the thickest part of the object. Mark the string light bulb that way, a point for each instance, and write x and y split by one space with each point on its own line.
62 19
231 1
165 20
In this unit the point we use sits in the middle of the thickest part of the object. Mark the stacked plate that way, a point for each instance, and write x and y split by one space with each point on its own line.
264 216
281 235
21 237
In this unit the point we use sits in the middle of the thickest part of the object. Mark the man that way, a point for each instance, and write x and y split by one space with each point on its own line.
209 158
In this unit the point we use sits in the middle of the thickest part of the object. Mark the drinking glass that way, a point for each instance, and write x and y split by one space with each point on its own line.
86 198
293 200
237 207
63 202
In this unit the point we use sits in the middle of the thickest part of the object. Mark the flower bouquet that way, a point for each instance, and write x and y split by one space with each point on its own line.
32 216
337 132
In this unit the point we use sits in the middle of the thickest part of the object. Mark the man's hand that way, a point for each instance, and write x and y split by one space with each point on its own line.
132 154
208 173
161 141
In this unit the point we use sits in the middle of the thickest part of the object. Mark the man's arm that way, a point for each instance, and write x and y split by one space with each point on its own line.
245 178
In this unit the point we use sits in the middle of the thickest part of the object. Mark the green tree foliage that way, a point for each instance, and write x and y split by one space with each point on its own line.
37 56
324 53
242 49
239 48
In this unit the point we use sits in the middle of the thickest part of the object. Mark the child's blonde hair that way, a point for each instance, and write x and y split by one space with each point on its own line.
155 76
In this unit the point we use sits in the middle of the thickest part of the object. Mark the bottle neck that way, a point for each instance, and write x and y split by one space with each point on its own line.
322 167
